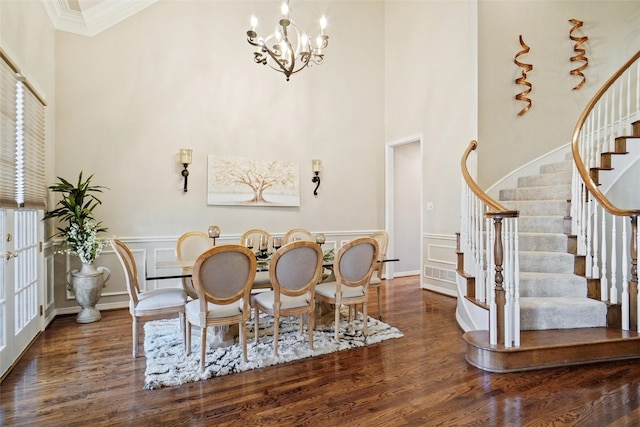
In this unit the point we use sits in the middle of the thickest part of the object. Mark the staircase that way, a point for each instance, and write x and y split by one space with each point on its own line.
562 320
553 288
547 274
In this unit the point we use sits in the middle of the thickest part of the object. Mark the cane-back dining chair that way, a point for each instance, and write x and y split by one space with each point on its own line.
222 278
294 271
298 234
189 247
353 266
256 235
154 303
382 237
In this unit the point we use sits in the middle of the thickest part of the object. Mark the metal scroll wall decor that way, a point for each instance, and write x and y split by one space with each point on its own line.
580 52
522 80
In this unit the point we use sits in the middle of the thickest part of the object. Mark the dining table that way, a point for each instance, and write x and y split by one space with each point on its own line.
223 336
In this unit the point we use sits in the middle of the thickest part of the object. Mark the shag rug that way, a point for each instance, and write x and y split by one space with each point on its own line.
168 364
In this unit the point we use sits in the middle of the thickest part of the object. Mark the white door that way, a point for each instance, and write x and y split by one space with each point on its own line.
6 272
21 279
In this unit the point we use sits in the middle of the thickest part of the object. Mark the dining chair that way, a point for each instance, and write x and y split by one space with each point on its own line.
262 277
294 271
153 303
353 266
222 278
189 247
382 237
298 233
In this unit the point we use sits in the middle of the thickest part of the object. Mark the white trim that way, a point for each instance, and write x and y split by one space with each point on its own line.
389 176
95 19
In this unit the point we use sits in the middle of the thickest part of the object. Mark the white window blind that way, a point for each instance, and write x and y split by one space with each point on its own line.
31 188
22 112
8 112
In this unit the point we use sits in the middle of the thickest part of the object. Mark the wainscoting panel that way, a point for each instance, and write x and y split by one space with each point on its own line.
439 264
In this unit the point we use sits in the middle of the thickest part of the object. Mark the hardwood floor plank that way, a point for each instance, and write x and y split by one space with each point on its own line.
84 375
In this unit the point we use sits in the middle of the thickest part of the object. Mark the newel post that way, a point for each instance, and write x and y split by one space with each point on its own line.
498 252
633 283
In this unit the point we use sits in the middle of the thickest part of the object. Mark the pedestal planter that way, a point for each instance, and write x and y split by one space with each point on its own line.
87 284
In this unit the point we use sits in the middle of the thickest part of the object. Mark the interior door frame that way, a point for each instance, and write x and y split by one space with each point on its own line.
389 156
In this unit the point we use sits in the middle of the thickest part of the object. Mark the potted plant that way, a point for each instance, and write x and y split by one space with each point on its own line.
78 230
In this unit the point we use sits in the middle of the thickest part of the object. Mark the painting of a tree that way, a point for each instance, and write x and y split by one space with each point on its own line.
251 182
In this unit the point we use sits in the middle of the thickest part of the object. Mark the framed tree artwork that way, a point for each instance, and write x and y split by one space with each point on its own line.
252 182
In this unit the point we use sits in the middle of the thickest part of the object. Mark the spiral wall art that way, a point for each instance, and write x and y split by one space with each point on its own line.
522 96
580 52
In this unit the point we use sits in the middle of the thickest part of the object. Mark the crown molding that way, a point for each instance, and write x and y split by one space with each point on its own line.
94 19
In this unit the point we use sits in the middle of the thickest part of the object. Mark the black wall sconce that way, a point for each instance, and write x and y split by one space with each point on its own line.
315 164
185 159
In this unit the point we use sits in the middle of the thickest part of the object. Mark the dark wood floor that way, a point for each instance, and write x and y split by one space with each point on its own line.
84 375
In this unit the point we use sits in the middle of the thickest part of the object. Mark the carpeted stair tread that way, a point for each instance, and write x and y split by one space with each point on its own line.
541 224
561 313
537 207
544 180
554 167
539 284
547 262
549 242
552 192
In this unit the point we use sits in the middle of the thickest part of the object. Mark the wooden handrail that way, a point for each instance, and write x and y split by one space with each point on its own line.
494 205
582 170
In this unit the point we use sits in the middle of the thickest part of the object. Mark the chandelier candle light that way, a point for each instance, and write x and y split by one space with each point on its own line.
288 49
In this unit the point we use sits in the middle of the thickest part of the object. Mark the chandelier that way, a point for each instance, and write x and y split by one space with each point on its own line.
288 49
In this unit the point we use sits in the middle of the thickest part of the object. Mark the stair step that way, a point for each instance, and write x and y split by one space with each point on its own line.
537 207
544 180
548 242
563 166
553 348
542 285
541 224
552 192
561 313
546 262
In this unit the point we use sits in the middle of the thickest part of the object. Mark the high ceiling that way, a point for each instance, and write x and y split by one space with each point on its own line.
89 17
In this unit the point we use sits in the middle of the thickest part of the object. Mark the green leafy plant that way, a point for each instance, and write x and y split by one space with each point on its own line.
75 212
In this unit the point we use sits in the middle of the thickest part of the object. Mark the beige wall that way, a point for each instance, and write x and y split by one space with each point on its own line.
181 74
430 88
507 140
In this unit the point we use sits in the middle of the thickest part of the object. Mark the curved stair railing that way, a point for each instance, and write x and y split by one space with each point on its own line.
609 121
489 233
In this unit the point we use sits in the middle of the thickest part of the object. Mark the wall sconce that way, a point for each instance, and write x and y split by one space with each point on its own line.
185 159
315 165
214 233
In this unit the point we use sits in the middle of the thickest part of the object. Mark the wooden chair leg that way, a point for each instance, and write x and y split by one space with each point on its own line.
337 320
203 346
184 329
134 334
310 325
379 304
256 323
243 339
276 330
188 338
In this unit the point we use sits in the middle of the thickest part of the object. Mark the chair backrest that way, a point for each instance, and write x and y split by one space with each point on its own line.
295 268
256 234
129 266
355 261
382 237
298 233
192 244
224 274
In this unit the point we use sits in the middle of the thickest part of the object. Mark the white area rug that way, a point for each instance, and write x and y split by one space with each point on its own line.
168 365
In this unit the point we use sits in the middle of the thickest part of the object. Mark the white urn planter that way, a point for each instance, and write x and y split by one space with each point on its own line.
87 284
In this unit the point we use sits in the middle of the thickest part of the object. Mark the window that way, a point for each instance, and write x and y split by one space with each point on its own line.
22 177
